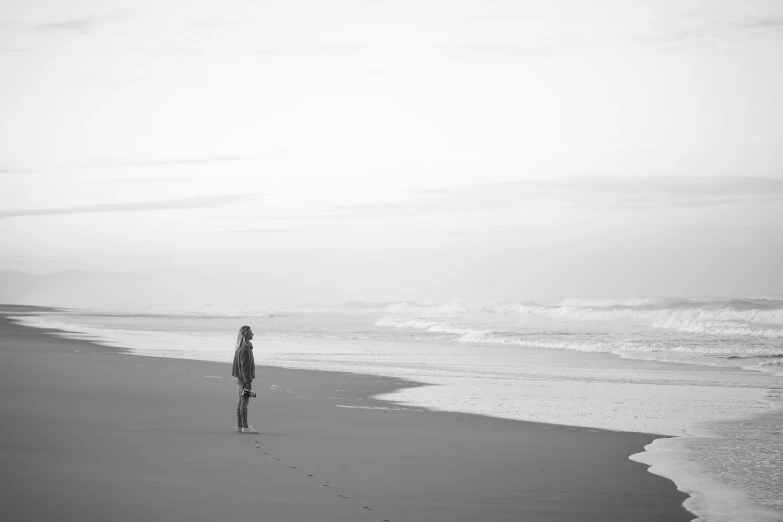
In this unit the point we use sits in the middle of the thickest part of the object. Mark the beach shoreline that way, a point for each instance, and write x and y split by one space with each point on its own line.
102 434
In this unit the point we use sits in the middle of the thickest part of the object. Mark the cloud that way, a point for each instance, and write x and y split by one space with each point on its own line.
7 168
260 231
660 191
82 25
138 206
78 25
773 24
158 179
672 33
202 160
586 192
698 30
110 163
310 50
181 51
513 50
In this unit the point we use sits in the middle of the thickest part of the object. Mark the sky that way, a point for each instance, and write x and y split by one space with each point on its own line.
404 150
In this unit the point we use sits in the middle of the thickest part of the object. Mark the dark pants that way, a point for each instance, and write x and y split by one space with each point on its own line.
242 408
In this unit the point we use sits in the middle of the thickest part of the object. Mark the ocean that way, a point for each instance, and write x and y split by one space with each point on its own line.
706 374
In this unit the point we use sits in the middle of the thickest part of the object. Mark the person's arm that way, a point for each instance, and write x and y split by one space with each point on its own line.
244 365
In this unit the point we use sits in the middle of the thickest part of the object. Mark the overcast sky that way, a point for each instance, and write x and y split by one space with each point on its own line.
311 150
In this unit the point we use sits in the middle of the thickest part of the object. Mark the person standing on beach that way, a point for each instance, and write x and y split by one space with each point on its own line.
245 371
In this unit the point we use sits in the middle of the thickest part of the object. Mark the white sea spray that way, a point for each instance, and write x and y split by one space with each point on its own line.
597 363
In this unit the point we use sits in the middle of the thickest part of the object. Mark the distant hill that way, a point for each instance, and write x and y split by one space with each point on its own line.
78 289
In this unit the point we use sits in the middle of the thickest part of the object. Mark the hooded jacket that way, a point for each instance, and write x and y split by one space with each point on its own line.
244 364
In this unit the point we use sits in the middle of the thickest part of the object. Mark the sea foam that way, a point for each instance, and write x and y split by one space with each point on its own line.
548 363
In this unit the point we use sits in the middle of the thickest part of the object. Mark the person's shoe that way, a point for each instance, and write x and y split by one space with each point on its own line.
239 430
249 429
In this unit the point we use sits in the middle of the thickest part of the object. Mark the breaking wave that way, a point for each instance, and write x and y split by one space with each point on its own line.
719 328
715 332
666 311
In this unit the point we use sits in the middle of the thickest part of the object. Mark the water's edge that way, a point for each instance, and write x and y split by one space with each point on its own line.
669 457
708 498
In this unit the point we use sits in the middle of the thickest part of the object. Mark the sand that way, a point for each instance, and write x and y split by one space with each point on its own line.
92 433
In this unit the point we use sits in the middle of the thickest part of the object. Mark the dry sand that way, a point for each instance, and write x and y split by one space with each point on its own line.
92 433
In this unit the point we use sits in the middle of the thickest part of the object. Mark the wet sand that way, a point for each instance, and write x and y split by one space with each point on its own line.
92 433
